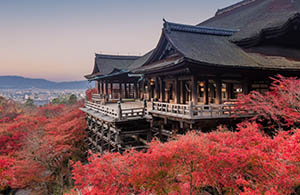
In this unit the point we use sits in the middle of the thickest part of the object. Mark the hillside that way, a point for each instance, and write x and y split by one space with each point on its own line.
18 82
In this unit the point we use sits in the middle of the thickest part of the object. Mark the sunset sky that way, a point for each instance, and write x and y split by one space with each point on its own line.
57 39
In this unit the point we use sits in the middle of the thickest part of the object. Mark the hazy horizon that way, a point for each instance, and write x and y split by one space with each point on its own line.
57 40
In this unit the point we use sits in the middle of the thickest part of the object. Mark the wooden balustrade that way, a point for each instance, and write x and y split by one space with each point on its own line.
117 113
191 111
102 109
187 111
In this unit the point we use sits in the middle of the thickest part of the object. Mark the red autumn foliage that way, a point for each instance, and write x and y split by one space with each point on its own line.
243 162
6 175
90 92
247 161
40 141
277 109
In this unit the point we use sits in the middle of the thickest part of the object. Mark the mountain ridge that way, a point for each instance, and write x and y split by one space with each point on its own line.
19 82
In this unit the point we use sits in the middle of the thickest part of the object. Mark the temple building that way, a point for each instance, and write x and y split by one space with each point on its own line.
192 78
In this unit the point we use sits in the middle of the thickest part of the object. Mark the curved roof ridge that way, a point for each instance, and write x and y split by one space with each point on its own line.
169 26
234 6
116 57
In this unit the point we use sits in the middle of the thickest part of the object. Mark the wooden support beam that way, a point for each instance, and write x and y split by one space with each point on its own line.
218 91
106 88
206 95
194 90
156 93
120 92
125 88
102 87
129 90
176 91
182 92
162 90
246 86
98 87
111 90
136 91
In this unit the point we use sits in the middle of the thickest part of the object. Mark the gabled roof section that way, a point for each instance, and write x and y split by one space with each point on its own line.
207 46
166 42
254 17
107 64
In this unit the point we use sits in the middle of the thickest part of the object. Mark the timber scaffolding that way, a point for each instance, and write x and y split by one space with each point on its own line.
131 124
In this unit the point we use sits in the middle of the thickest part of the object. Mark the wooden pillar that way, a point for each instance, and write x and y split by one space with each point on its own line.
129 90
218 91
98 87
194 90
142 90
162 90
206 96
156 93
229 90
106 88
102 87
125 88
111 90
136 94
182 92
148 90
120 91
177 91
246 86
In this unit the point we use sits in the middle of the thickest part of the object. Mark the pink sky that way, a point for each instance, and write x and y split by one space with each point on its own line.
57 40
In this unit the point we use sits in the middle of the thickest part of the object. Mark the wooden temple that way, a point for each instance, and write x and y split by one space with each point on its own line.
192 78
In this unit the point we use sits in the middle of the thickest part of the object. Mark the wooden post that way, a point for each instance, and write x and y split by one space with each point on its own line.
228 90
246 86
162 90
182 92
206 96
106 88
111 90
129 90
120 92
177 91
102 88
194 90
145 107
125 88
142 88
191 109
218 91
136 94
156 94
98 87
119 111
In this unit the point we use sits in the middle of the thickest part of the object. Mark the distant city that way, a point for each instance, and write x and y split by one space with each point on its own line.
40 96
41 91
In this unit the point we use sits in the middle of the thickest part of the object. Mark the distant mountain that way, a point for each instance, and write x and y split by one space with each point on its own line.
18 82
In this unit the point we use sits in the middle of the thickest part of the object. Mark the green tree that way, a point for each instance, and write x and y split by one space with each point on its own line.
72 99
29 102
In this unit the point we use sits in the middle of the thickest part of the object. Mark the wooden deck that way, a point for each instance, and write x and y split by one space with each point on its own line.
116 111
138 109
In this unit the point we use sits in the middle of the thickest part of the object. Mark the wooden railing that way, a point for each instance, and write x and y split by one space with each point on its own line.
213 110
97 98
103 99
191 111
117 113
105 110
